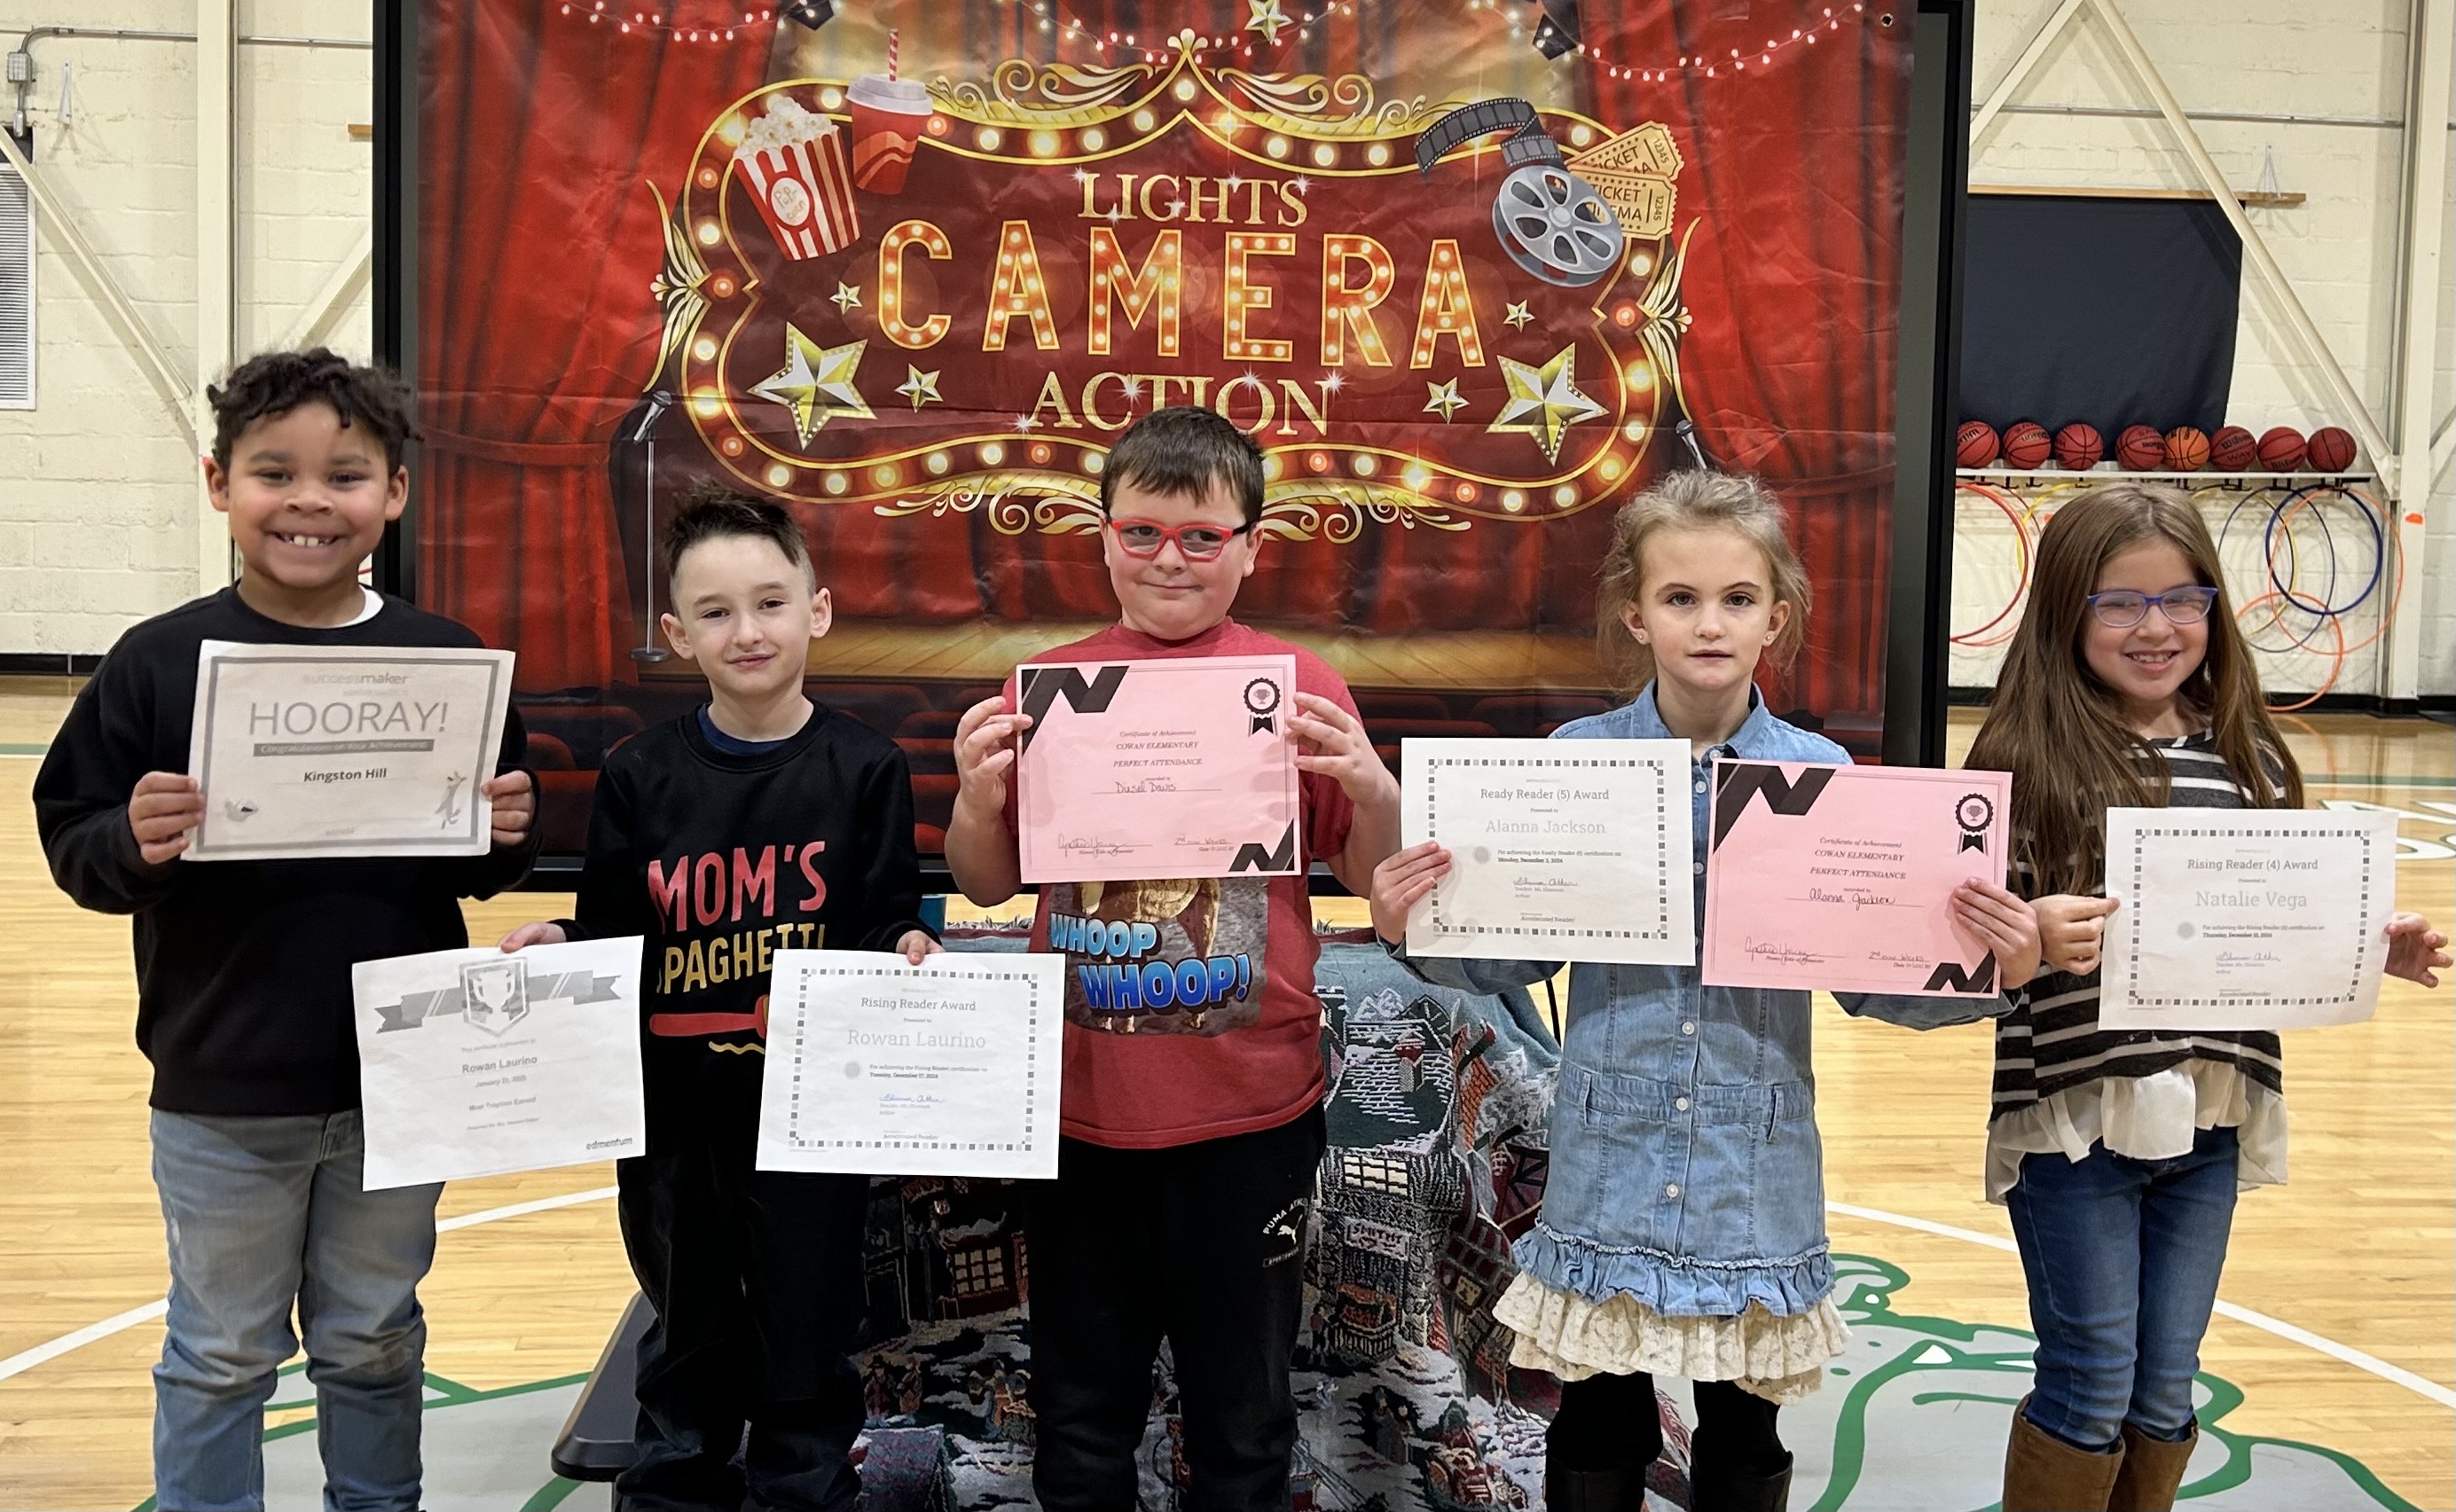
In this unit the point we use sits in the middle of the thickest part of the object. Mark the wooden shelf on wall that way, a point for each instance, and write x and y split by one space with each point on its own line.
2249 198
2205 478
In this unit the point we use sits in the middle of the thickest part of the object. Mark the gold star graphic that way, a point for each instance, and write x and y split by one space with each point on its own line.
848 296
921 388
1446 400
1518 317
1543 402
816 383
1267 17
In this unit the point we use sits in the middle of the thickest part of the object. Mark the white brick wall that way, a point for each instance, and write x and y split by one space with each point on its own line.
97 493
97 496
2339 248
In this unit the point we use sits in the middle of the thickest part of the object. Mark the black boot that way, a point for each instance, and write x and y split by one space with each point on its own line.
1619 1489
1735 1488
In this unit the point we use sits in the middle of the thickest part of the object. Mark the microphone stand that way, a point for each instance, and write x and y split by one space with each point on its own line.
648 653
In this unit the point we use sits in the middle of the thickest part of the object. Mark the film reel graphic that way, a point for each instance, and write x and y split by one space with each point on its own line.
1552 222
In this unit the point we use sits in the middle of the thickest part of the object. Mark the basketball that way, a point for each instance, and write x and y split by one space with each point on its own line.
2233 450
2331 450
2140 449
2187 450
2026 444
2079 447
2281 448
1975 446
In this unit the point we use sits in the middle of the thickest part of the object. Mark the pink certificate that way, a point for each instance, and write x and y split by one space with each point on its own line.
1841 878
1175 767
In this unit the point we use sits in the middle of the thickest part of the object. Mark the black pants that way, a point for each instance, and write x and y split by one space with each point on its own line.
1204 1245
1609 1423
755 1277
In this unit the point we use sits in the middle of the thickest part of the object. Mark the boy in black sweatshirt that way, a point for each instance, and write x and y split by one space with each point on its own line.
243 966
757 823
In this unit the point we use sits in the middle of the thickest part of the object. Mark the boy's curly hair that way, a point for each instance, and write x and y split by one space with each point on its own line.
271 384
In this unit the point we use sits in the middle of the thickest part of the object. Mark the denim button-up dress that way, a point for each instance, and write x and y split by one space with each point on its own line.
1686 1170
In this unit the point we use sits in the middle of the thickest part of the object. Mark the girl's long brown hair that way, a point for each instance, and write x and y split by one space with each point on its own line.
2060 731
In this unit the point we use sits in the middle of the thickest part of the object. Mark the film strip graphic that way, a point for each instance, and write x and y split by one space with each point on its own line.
1552 223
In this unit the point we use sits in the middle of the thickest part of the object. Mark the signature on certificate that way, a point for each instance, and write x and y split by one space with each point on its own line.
1780 954
1098 850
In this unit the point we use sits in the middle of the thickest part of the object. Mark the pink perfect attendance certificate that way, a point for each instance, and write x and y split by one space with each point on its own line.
1171 769
1841 878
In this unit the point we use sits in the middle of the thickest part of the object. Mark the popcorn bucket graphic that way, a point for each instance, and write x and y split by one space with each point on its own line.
795 163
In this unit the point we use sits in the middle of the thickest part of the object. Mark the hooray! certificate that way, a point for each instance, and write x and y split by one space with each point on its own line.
1174 768
880 1067
1841 878
1560 850
2245 919
306 751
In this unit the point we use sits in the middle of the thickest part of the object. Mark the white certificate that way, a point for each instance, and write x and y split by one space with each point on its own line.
1560 850
879 1067
312 750
2243 919
475 1063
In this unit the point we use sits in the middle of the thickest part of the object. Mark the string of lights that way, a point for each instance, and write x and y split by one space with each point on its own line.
1269 24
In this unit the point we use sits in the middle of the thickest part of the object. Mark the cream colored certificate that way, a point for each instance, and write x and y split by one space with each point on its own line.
1561 849
947 1069
326 751
2246 919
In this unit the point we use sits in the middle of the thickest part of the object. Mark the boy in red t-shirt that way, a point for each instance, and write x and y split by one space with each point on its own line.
1191 1137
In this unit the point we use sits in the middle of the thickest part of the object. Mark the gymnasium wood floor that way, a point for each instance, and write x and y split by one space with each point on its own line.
2354 1261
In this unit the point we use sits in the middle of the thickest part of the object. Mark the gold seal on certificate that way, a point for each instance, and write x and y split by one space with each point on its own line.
1560 850
2245 919
325 751
880 1067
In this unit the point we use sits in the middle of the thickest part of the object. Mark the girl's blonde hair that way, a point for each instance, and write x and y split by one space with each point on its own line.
2060 728
1693 501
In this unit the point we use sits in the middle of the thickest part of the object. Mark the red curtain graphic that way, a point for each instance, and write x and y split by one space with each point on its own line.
541 132
538 236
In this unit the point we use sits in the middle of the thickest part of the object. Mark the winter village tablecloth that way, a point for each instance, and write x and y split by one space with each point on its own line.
1437 1110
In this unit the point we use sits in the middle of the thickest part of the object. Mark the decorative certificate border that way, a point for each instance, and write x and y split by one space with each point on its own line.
1033 1017
208 849
1662 926
2137 865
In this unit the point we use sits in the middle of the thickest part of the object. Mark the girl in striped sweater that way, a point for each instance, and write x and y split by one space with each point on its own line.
2119 1154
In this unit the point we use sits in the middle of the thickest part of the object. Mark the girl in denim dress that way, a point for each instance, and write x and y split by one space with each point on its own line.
1683 1230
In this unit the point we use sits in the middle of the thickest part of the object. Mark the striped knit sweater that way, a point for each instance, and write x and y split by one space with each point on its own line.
2051 1041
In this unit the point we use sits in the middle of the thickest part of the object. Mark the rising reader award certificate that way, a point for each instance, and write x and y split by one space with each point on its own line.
1560 850
2245 919
305 750
1841 878
475 1063
880 1067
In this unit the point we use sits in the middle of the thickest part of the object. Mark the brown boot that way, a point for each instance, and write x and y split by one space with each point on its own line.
2044 1474
2151 1470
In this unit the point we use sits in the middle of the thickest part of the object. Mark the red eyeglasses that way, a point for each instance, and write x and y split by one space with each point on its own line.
1143 537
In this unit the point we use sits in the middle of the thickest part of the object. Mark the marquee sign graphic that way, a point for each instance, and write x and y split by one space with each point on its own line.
1073 246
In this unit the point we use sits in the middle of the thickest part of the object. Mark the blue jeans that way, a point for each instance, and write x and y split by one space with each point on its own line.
2122 1257
263 1213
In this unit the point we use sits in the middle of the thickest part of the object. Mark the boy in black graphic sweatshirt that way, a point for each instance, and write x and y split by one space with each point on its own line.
243 1000
757 823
